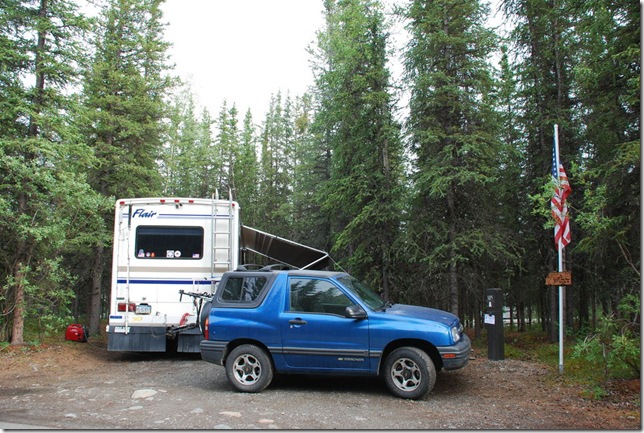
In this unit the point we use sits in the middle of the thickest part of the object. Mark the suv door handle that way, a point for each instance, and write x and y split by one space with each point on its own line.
297 322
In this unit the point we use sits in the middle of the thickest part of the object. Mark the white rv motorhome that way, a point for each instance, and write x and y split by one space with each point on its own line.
163 246
168 256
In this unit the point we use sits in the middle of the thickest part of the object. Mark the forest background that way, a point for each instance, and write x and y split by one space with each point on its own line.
430 188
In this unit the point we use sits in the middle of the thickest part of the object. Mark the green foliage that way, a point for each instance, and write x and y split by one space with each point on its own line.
276 166
42 160
124 92
463 207
189 165
355 126
615 344
608 228
124 116
246 173
535 347
61 218
43 326
458 230
594 392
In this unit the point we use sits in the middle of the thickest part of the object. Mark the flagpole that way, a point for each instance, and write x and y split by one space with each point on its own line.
560 266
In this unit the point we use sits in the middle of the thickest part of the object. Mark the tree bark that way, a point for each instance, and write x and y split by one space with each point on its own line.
453 268
18 327
97 286
18 322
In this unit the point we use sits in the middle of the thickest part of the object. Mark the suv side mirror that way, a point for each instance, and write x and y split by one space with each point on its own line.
355 312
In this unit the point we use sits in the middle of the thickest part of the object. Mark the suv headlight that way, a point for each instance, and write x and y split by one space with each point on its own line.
456 333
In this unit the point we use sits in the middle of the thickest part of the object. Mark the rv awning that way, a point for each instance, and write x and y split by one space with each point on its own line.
282 250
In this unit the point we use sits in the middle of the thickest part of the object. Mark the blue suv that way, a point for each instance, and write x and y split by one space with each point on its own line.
316 322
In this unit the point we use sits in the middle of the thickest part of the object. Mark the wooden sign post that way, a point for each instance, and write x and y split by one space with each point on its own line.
559 279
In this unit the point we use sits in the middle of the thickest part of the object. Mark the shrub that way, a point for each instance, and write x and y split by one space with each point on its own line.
615 344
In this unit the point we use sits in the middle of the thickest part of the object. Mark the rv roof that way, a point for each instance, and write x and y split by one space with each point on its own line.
170 200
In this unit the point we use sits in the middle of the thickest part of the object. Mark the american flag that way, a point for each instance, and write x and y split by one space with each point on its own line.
558 203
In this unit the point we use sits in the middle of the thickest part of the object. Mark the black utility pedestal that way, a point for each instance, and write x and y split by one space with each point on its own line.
494 324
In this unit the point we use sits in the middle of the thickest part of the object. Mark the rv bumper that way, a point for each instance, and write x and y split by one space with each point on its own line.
136 339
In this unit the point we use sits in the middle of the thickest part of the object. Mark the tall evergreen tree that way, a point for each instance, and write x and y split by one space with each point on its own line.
544 48
311 225
355 116
45 201
246 173
205 158
181 159
521 292
454 231
607 79
226 148
15 44
124 90
276 174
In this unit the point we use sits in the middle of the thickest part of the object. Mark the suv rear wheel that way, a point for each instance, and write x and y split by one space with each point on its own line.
409 373
249 368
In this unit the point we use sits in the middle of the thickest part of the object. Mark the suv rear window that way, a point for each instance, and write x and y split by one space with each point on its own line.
243 289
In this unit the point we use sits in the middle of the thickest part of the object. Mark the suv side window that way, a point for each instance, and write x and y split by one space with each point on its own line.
313 295
242 289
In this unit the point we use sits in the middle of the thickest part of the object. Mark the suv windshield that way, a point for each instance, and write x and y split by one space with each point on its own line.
362 291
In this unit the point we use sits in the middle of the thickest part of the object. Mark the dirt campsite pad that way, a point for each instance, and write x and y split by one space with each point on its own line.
81 386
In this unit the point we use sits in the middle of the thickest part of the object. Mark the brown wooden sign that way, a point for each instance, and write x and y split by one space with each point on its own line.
559 279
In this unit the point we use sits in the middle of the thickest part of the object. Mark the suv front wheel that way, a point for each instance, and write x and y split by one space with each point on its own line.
249 368
409 373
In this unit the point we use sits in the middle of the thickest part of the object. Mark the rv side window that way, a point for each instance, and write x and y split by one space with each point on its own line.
242 289
160 242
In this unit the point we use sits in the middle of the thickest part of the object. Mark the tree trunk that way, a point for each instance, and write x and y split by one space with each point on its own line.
478 323
95 300
18 326
521 317
453 268
23 205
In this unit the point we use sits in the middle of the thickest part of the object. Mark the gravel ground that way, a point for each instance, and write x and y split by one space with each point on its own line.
80 386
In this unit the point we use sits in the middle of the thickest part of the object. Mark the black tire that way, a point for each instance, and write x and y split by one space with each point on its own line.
409 373
249 368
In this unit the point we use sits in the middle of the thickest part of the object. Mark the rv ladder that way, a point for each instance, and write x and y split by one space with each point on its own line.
221 236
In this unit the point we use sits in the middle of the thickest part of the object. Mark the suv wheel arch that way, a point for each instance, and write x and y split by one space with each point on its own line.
423 345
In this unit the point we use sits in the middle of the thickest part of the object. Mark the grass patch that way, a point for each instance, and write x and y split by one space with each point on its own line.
535 346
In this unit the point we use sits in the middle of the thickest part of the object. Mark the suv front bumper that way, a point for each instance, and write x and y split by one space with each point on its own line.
456 356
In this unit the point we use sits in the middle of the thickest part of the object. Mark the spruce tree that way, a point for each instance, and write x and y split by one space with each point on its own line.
454 230
124 90
226 148
608 215
276 167
45 203
180 156
311 226
246 173
544 48
355 121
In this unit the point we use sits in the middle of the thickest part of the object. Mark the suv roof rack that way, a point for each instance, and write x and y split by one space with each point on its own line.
250 267
278 267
